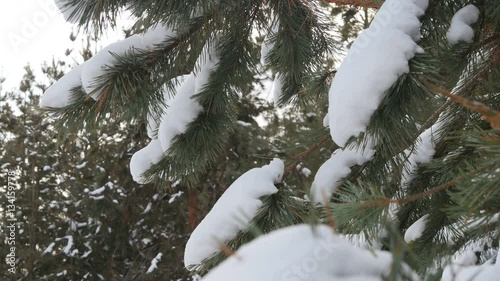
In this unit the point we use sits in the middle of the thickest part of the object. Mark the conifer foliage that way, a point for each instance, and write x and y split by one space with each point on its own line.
413 185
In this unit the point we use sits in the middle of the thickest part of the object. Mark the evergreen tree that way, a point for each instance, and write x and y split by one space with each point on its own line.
415 172
78 214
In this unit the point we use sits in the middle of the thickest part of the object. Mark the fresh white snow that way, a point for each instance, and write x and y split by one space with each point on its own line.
98 65
154 263
460 29
374 62
243 123
175 196
422 151
183 109
276 88
87 74
330 174
306 172
147 209
465 269
98 191
142 160
303 252
59 94
326 121
180 111
49 248
267 44
416 229
232 212
69 245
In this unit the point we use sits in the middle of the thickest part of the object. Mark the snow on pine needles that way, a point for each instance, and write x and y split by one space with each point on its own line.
304 252
376 59
374 62
232 212
86 76
460 29
181 110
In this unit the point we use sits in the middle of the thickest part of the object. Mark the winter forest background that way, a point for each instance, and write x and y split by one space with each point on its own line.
257 140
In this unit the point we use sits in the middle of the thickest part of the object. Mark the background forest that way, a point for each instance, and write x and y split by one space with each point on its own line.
81 215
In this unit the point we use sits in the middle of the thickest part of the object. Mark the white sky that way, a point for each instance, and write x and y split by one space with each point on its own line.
34 31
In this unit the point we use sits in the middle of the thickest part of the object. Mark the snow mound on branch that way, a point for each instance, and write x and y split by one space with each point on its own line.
422 151
154 118
142 160
154 263
59 94
87 74
374 62
181 111
99 64
330 174
326 121
232 212
183 108
416 229
460 29
303 252
175 117
49 248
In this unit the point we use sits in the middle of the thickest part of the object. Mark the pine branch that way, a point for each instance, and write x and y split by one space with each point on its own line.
488 114
426 193
463 90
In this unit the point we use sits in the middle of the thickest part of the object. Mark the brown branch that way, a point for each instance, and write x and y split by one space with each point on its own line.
415 197
298 157
464 88
488 114
426 193
358 3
